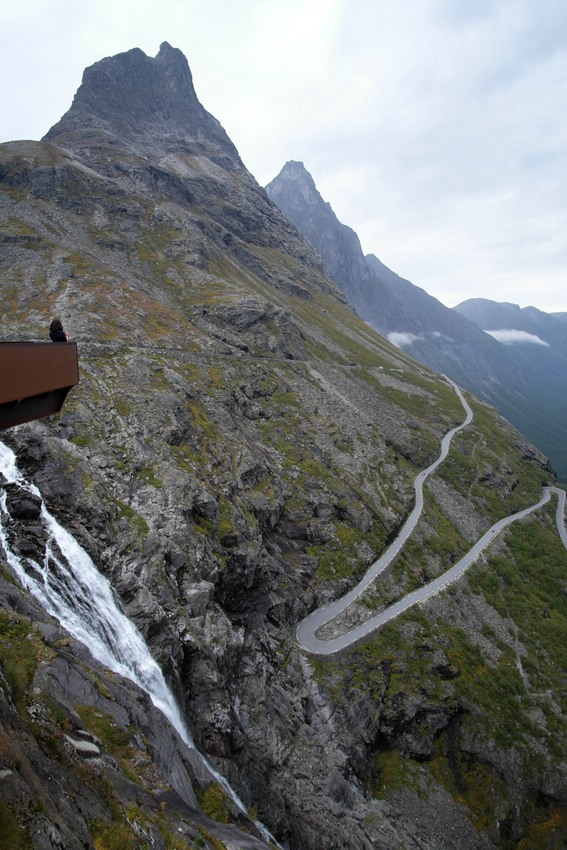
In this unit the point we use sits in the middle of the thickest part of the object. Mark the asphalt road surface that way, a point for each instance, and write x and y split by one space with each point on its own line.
306 631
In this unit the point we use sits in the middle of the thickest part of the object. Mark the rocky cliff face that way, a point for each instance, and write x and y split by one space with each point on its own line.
410 318
240 448
147 106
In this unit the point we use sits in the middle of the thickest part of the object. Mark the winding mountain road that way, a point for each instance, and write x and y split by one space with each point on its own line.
306 630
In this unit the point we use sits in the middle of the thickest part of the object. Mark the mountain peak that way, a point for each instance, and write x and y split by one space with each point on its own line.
144 105
297 185
166 52
294 168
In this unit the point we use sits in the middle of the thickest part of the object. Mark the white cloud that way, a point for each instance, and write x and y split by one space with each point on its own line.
509 336
401 339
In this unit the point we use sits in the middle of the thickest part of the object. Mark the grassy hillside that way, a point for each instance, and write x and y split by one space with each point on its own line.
240 448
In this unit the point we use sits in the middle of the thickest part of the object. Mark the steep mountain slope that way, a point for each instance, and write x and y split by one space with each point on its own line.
540 342
239 449
418 323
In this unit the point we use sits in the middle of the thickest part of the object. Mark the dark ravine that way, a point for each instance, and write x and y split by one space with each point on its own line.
239 448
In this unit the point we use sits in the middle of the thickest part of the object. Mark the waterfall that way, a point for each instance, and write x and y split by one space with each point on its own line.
70 588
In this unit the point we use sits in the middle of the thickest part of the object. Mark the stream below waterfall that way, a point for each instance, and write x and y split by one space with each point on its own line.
69 587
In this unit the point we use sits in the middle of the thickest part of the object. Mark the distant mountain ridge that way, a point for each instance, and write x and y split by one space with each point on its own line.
495 316
446 340
539 341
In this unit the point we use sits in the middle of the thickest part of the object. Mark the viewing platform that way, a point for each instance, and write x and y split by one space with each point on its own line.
35 378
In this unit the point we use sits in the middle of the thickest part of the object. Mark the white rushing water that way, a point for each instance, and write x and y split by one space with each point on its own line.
70 588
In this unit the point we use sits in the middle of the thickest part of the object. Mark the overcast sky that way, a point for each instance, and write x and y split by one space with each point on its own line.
436 129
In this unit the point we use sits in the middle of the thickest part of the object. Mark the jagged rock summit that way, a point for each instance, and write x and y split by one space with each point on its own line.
295 193
395 307
140 159
447 340
401 311
149 104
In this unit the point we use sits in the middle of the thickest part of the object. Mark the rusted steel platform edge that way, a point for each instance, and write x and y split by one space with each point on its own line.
35 378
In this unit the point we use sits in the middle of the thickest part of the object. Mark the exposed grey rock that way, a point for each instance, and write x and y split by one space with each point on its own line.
519 383
240 447
23 505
